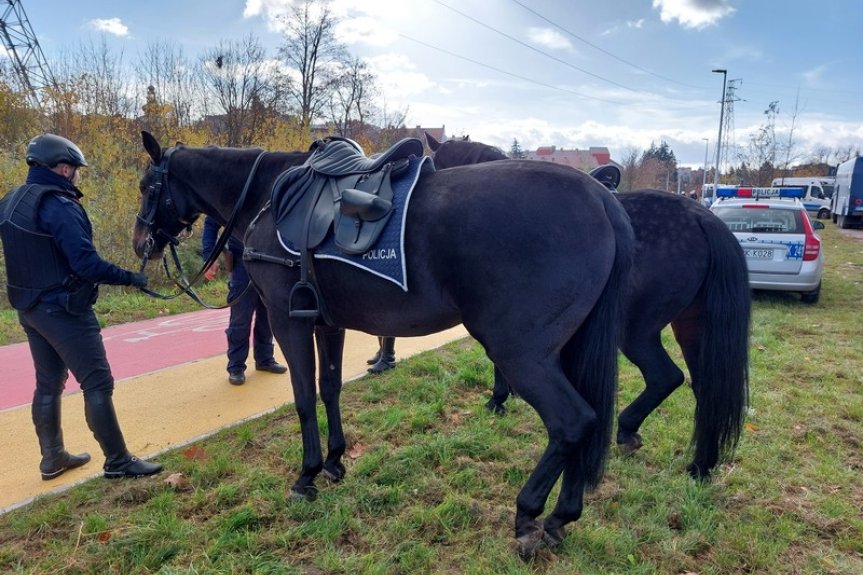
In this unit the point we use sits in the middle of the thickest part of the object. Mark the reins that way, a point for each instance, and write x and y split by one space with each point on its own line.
184 285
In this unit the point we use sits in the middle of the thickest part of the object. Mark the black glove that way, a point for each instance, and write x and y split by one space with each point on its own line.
137 279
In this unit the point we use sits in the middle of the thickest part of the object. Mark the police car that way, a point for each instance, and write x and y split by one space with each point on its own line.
783 253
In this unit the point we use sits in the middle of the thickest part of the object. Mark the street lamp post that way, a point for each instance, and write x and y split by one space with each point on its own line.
719 140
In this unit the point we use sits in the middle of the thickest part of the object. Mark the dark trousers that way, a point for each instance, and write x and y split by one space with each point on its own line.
240 328
61 342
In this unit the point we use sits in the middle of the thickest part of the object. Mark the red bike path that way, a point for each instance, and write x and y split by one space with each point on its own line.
133 349
171 390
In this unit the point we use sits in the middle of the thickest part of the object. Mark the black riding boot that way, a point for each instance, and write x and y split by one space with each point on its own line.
377 356
386 356
46 418
102 420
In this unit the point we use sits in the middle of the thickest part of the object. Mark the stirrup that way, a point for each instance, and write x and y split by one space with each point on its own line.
311 313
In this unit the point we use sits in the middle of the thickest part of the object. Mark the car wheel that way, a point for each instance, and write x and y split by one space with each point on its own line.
823 214
812 296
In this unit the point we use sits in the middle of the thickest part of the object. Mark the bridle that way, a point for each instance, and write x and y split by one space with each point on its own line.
159 195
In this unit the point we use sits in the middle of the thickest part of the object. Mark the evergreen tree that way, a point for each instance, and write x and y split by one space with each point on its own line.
515 151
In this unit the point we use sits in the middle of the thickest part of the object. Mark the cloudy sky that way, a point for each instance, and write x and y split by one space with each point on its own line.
570 73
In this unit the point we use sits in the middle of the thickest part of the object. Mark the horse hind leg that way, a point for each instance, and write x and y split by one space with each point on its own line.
499 394
569 421
661 376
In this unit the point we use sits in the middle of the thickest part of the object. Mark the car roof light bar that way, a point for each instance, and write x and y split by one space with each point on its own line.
748 192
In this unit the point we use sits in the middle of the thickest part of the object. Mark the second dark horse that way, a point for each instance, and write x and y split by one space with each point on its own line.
689 271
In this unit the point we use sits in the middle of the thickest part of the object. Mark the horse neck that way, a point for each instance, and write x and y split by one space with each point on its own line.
218 176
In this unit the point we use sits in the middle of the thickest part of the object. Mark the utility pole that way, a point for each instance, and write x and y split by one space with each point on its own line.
704 174
724 73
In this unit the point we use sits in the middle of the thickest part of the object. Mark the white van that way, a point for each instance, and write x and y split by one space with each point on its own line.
817 192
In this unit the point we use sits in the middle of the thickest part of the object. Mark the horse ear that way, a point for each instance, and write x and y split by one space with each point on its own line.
433 144
152 146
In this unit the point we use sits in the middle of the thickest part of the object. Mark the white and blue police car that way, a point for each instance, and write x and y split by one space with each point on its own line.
783 253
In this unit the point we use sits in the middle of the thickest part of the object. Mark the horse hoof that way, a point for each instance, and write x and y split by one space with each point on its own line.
529 544
307 493
334 476
495 407
696 472
554 537
629 443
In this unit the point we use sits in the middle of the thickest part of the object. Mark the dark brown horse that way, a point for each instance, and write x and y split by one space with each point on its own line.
540 292
689 271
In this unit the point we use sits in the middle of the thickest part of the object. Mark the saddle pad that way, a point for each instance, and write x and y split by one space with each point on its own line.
386 259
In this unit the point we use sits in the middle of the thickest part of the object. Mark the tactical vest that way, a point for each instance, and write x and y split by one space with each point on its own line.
34 264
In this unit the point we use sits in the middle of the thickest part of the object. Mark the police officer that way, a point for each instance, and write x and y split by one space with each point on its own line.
247 305
43 221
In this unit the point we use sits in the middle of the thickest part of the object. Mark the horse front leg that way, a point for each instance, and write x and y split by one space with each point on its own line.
297 343
331 344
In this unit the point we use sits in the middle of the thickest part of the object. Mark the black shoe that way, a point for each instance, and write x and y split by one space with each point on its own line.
237 377
131 468
57 466
274 367
381 366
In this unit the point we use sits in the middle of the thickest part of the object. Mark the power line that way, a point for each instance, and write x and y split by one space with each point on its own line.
501 71
535 49
603 50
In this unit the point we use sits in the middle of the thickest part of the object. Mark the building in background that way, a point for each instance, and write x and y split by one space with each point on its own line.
584 160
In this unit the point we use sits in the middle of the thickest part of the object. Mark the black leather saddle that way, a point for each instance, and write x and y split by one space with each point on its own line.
339 186
607 175
341 157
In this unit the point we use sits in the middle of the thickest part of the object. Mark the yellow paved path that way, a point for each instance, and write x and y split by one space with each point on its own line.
167 409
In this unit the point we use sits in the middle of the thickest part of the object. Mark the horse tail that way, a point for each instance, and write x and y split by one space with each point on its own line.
591 355
720 381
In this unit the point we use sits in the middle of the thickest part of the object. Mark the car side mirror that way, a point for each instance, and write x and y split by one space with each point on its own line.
816 225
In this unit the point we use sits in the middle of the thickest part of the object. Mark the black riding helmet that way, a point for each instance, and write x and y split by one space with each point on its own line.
50 149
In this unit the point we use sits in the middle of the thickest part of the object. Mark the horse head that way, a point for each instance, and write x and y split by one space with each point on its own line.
460 152
164 214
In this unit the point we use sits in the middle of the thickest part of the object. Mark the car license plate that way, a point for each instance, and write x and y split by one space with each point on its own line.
759 254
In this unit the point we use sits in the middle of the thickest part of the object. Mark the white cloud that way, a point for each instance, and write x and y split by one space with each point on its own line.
693 13
398 76
635 23
113 26
549 38
814 77
365 30
265 8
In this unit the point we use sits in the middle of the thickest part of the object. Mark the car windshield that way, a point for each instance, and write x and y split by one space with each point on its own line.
759 219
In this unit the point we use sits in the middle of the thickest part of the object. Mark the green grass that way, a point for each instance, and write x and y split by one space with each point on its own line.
432 477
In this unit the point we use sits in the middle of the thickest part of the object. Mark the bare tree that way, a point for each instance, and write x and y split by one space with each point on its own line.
91 81
845 153
791 153
314 58
236 75
350 105
629 173
169 79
